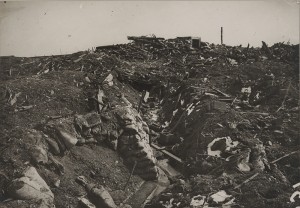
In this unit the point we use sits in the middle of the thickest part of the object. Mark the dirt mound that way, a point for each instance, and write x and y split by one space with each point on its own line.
230 114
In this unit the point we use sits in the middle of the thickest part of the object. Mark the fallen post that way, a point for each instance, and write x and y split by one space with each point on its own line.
167 153
246 181
222 93
284 156
258 113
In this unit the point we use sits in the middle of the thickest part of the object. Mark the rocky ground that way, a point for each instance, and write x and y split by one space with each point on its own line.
91 127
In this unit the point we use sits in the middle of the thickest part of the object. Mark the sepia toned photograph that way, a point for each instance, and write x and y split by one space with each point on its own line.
149 104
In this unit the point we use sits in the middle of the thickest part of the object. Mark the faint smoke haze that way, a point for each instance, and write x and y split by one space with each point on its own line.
61 27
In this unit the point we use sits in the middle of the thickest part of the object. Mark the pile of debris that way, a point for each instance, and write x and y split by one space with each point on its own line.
227 118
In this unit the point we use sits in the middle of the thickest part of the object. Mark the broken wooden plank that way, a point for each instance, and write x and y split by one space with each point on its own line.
284 156
227 99
222 93
167 153
258 113
246 181
178 121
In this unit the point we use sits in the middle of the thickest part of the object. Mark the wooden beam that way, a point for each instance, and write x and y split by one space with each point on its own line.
167 153
221 35
219 91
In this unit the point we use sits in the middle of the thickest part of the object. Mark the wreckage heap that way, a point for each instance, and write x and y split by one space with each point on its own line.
226 118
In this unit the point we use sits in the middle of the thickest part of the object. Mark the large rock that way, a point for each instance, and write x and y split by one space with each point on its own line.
31 186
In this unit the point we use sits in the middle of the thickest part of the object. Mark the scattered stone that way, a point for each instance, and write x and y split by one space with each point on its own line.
97 194
86 203
57 183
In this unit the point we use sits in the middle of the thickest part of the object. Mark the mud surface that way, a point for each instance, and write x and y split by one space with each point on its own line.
231 114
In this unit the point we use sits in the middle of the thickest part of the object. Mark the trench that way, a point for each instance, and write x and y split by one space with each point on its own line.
150 189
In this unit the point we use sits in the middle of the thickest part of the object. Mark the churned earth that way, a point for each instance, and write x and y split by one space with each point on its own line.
117 114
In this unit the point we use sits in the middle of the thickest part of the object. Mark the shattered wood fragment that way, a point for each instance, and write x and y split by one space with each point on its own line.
167 153
178 121
100 96
284 156
258 113
246 181
24 108
14 99
219 91
146 96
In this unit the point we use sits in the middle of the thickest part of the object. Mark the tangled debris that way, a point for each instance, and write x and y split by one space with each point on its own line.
227 118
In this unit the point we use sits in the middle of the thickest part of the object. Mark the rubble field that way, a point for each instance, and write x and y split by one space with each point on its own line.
152 123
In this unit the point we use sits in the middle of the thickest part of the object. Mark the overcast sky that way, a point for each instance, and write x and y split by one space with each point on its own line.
50 28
